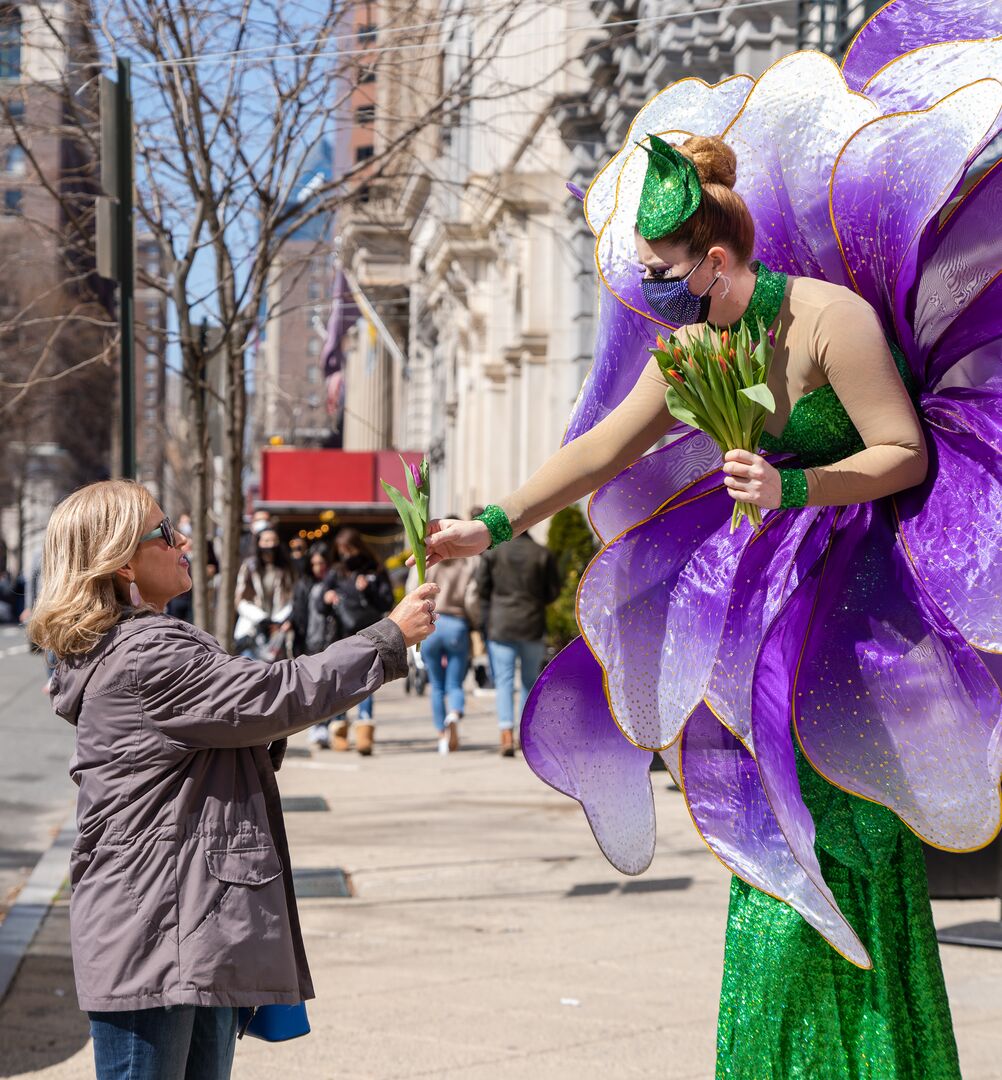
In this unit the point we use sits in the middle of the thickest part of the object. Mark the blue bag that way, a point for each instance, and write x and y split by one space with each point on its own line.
274 1023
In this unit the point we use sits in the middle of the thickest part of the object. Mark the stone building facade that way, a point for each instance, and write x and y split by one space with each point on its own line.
54 434
476 259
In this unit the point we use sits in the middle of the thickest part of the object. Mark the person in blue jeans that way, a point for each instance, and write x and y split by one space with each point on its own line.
446 653
515 583
193 1042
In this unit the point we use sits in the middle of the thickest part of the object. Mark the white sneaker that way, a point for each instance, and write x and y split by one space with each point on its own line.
443 744
320 737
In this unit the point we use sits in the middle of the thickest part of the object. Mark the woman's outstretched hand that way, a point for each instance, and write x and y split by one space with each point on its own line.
415 614
751 479
450 538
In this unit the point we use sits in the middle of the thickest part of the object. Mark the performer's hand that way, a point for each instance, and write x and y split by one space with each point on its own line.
415 614
751 479
450 538
331 597
361 583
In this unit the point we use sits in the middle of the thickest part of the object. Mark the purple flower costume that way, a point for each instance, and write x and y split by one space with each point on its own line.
839 672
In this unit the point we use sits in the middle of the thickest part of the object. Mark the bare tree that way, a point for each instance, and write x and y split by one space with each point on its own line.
231 100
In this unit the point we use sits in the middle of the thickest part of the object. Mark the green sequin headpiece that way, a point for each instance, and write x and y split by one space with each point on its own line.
671 192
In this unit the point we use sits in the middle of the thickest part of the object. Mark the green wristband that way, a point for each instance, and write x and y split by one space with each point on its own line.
793 484
497 524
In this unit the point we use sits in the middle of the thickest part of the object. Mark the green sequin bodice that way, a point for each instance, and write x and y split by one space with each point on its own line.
819 430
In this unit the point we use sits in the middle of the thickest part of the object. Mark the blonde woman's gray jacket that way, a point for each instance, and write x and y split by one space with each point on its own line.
181 885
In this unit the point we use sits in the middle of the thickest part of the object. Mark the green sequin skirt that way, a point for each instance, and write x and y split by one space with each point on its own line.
791 1008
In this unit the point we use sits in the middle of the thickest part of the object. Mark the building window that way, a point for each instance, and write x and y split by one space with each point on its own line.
16 109
365 114
151 399
313 374
829 25
314 289
363 153
151 416
152 360
152 343
12 201
366 75
15 161
367 32
10 43
151 378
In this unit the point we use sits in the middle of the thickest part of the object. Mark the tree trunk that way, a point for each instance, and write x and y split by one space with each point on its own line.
194 385
234 391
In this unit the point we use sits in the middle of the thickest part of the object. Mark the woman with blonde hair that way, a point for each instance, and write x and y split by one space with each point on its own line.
182 905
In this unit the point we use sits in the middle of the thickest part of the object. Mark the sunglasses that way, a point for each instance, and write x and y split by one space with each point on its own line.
164 531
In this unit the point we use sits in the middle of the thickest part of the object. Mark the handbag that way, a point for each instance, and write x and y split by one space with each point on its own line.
274 1023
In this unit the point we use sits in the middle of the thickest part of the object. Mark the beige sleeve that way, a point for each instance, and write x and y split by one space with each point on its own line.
850 348
581 466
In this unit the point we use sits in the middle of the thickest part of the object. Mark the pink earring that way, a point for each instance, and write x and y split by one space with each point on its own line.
135 598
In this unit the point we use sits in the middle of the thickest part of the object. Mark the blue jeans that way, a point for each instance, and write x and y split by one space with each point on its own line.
503 655
364 713
182 1042
450 642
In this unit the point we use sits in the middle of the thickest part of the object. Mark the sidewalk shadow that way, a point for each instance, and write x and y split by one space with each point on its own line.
40 1021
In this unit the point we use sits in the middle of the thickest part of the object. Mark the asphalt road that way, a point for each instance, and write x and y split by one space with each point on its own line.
36 793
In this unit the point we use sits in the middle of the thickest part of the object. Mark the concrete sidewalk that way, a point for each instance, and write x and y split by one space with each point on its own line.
487 939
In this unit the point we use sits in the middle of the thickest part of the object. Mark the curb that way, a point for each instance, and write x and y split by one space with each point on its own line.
25 916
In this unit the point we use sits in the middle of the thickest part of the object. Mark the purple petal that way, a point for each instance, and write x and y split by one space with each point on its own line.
905 25
962 260
770 569
774 684
787 191
650 482
881 202
621 343
571 742
889 701
952 523
979 326
729 806
652 606
920 79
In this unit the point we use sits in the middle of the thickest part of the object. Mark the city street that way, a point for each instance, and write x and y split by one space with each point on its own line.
36 793
486 937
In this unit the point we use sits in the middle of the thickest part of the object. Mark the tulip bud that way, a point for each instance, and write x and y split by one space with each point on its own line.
662 344
723 337
772 337
678 353
415 475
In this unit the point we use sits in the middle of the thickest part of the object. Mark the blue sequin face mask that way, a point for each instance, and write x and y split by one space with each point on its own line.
673 301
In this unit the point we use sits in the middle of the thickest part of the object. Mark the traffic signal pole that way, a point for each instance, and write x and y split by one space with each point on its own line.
126 270
116 244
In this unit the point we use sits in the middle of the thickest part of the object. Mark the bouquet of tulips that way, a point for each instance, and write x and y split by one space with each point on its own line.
717 383
413 511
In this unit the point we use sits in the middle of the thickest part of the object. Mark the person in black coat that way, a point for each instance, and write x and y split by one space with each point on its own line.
357 592
516 582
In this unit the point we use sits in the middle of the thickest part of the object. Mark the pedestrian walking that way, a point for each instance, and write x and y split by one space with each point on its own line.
264 599
515 584
182 906
446 654
313 629
357 592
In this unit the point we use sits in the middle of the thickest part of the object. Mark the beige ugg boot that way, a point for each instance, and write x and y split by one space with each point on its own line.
340 733
363 738
507 742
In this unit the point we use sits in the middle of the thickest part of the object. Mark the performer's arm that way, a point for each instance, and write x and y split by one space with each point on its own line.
851 350
581 466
